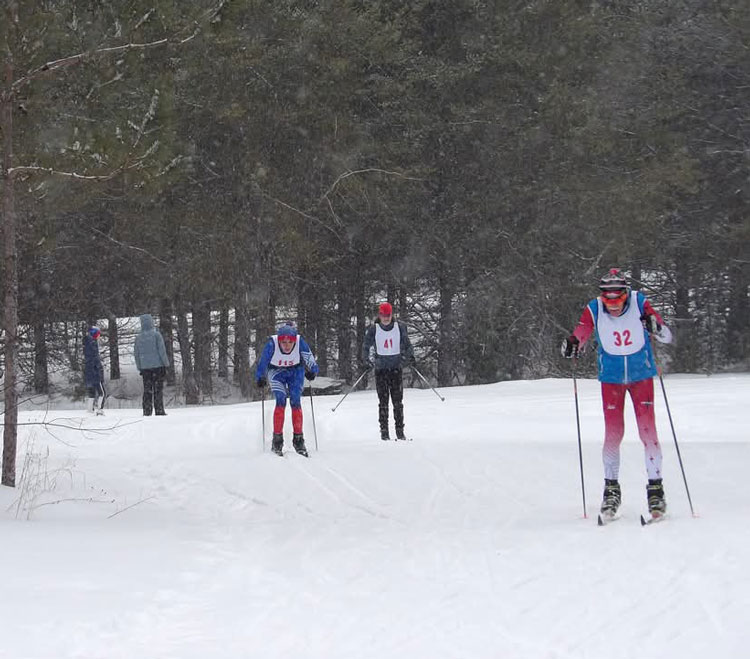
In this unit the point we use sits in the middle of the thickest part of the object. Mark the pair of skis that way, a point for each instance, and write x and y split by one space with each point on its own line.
603 519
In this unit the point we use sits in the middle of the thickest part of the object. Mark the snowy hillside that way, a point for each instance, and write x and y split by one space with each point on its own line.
178 537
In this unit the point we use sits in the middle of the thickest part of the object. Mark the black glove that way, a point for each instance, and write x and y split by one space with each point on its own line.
570 347
411 361
650 323
261 382
309 375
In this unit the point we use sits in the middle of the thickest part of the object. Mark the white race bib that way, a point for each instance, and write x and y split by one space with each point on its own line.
621 335
281 359
387 342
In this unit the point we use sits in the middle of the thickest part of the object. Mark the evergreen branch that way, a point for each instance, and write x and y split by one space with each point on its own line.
54 65
341 177
133 247
302 213
125 166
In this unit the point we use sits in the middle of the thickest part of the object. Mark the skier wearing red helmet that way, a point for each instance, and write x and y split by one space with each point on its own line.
624 321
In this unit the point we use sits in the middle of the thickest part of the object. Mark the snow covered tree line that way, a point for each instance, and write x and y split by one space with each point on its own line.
478 165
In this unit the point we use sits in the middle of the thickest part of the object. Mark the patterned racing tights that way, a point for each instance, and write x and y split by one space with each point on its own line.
613 402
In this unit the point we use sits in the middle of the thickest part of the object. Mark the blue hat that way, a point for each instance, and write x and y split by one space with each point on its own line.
287 330
94 332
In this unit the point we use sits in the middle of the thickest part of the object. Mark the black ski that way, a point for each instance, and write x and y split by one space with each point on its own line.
604 519
651 519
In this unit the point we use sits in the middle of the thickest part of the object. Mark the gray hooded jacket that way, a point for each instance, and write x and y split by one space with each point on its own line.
150 351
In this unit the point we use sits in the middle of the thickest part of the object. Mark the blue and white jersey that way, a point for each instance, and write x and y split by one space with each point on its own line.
624 351
299 356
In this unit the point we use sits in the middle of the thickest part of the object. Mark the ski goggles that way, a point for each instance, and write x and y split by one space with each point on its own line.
614 298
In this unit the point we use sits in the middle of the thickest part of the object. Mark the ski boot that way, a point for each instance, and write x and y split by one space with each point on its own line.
277 444
400 433
384 435
657 504
611 499
298 441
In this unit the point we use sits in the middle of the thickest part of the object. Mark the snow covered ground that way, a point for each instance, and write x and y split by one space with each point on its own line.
178 537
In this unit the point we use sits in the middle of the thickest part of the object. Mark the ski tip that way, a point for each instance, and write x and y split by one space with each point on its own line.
599 520
643 521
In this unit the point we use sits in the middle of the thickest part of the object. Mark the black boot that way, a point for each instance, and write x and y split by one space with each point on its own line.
612 498
384 434
657 504
398 418
298 441
277 444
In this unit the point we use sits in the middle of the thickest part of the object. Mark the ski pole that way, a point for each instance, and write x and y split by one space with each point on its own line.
312 410
578 428
427 383
263 415
367 370
671 424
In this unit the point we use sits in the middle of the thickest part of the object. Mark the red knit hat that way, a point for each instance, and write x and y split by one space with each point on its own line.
385 309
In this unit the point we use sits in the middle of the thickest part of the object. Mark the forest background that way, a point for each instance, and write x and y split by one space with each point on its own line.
227 165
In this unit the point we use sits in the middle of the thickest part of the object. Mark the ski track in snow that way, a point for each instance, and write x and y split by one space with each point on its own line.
468 542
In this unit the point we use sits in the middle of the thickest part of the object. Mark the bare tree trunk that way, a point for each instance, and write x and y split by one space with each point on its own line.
202 346
317 326
114 347
41 372
738 319
344 330
166 327
222 364
192 395
10 253
445 332
360 314
242 350
684 322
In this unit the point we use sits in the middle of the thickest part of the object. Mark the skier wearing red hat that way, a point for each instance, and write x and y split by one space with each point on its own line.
387 349
623 321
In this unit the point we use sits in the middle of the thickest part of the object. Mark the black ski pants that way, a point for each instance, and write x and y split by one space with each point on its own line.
390 383
153 390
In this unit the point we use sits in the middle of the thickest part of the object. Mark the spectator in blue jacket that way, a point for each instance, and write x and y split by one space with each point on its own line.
151 361
93 372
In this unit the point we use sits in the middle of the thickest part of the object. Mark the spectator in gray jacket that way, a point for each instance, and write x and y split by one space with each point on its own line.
151 361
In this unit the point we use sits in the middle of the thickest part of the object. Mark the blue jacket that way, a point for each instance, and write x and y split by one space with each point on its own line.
93 370
306 358
150 351
624 369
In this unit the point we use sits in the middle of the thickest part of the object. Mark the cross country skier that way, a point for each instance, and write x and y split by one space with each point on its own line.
284 364
387 348
624 321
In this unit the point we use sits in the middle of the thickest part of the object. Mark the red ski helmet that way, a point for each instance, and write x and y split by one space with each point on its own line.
614 280
385 309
